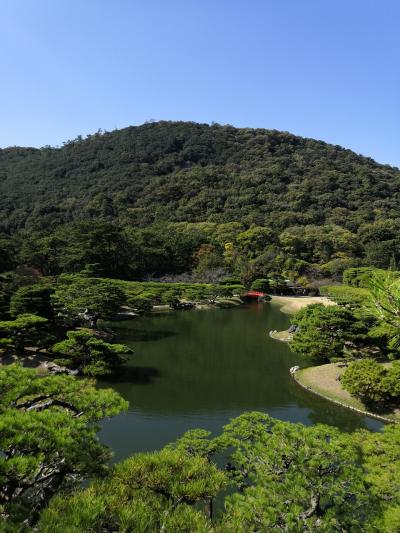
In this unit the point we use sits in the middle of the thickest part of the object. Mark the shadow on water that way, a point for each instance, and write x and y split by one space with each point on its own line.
136 375
201 368
142 335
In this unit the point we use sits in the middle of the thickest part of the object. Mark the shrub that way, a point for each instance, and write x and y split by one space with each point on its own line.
371 382
140 303
88 354
363 379
323 332
391 381
32 300
260 285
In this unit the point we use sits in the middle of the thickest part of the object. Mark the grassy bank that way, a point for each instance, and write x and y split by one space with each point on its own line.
323 380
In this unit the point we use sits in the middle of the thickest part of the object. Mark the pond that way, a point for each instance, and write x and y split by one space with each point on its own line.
198 369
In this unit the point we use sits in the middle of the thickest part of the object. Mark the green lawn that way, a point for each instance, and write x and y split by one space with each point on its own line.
323 380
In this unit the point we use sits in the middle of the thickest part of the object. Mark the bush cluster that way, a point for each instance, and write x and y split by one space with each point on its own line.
372 382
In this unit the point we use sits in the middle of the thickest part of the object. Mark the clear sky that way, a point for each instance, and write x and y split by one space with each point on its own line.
327 69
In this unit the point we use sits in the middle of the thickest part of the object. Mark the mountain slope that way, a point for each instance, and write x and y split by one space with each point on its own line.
182 171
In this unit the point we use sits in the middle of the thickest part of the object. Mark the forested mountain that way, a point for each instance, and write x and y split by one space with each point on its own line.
182 171
300 199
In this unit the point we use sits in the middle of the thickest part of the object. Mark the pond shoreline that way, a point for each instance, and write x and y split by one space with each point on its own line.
310 386
200 369
332 392
289 305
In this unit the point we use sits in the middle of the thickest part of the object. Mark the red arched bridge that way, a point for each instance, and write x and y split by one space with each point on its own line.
255 294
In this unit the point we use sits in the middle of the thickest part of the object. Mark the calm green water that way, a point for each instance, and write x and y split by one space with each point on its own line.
200 368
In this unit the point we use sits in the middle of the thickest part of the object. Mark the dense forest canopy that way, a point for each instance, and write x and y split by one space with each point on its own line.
183 171
193 185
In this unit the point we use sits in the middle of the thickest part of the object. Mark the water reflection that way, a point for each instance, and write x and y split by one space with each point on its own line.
201 368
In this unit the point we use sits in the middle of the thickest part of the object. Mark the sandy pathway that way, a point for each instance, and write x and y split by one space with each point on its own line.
291 304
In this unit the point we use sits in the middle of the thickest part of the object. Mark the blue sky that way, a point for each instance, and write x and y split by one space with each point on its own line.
327 69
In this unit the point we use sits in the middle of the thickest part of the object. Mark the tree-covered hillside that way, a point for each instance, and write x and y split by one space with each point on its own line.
182 171
173 197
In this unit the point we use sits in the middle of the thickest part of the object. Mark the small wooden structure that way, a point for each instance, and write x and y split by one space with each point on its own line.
255 295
